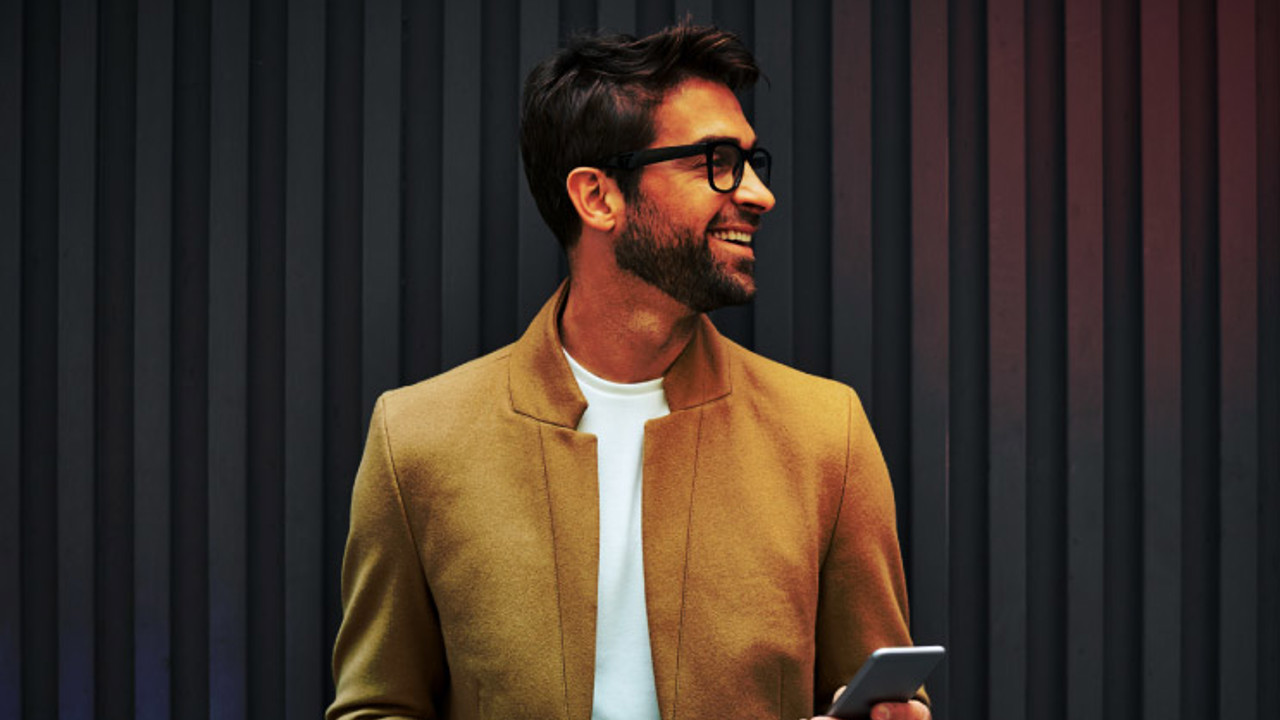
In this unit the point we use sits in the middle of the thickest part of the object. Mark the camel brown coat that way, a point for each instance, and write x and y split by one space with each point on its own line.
771 557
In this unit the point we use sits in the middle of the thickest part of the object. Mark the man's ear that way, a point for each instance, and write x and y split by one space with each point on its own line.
596 197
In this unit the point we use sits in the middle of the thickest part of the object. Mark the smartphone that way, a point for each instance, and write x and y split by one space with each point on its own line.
891 674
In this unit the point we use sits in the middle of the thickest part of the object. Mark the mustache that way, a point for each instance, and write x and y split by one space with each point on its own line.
736 217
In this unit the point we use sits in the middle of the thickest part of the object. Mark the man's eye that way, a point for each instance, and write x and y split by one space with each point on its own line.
723 161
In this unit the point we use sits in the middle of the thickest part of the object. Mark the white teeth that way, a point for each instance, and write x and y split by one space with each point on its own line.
733 236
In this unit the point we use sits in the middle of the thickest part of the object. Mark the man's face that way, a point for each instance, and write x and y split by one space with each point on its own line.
680 235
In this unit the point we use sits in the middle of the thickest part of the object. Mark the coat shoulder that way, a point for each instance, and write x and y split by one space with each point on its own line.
466 380
799 408
441 409
787 390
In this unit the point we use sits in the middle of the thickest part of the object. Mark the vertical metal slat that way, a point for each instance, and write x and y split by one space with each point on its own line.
1007 347
76 215
306 649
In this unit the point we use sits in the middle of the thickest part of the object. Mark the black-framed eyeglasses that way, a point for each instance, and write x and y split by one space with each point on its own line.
725 161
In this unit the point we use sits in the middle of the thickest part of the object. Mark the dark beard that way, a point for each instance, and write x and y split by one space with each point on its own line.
682 267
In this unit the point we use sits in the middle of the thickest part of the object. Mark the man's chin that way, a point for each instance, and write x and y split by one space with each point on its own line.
729 292
738 285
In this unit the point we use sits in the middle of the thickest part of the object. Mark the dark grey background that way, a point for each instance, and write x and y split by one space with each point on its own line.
1042 240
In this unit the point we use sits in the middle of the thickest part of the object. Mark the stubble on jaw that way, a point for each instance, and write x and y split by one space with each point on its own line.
683 267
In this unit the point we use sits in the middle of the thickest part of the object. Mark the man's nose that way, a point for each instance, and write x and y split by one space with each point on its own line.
753 192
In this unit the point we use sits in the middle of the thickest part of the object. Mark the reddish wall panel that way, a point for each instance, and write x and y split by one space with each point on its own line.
1007 262
1162 359
1084 382
930 342
1237 265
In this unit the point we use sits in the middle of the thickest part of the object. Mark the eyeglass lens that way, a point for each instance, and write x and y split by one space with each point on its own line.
727 166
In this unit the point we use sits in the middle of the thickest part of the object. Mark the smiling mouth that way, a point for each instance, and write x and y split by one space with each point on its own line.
737 237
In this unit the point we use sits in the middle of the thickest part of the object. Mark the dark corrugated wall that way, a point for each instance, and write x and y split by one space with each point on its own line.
1040 237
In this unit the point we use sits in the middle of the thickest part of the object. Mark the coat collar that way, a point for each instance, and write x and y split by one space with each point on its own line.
543 387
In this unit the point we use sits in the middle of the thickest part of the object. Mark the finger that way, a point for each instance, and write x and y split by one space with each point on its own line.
920 710
834 696
913 710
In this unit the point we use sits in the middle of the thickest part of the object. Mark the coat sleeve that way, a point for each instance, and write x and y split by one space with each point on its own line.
862 596
389 657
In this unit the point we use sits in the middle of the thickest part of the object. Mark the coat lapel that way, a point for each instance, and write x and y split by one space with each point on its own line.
542 387
671 445
670 462
573 496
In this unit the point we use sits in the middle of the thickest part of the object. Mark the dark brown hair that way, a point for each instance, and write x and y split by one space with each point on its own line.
595 98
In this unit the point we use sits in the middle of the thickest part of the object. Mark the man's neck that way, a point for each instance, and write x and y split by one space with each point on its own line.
624 330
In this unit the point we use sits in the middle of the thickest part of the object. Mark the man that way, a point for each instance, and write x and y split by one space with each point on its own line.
624 514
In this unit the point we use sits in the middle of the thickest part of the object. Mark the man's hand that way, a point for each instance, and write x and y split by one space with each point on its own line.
913 710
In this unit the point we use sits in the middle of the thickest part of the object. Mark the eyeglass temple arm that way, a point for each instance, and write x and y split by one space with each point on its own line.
623 161
639 158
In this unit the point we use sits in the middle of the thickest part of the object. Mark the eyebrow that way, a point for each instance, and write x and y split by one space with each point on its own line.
725 138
